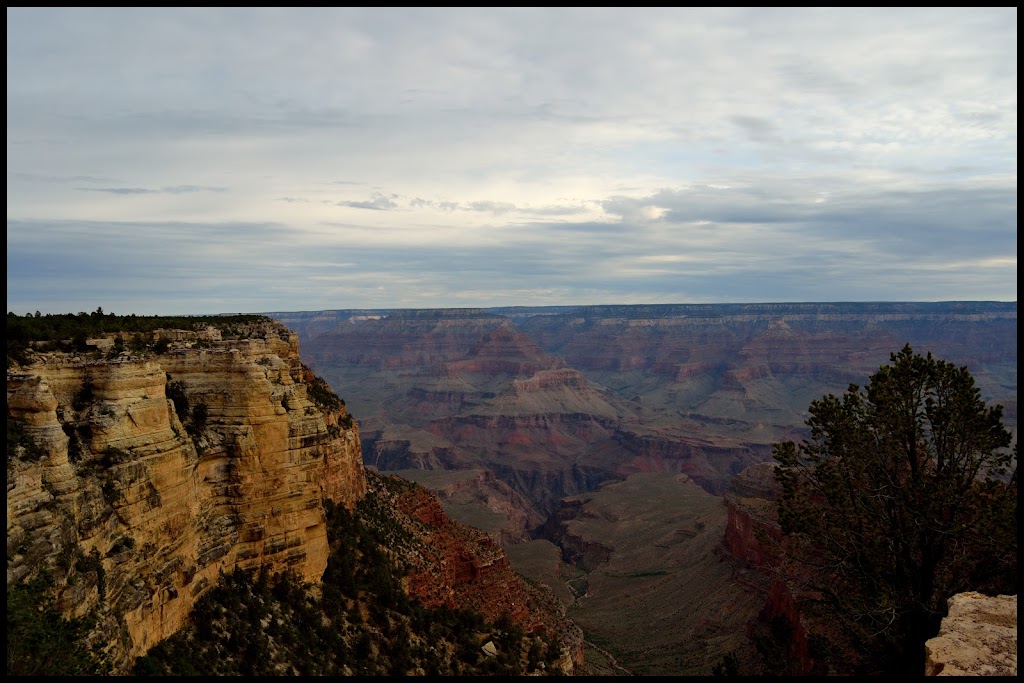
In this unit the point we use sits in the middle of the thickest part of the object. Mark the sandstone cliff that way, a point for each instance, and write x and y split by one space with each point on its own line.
149 474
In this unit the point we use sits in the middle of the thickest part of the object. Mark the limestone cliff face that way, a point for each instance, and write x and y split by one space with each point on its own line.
154 473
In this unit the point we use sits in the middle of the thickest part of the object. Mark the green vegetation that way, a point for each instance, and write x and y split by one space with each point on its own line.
360 622
20 444
320 392
68 331
904 495
41 642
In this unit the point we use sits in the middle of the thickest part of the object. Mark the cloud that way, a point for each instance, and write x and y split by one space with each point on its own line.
180 189
294 158
377 203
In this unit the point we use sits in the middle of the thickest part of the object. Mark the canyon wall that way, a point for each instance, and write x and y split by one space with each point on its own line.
456 565
151 474
556 400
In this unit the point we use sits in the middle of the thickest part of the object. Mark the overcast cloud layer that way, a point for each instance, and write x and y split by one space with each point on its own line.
173 161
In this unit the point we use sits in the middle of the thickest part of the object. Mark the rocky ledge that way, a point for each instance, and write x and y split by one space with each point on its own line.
977 638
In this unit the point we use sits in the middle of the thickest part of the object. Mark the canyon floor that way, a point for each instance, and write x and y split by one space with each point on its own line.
659 595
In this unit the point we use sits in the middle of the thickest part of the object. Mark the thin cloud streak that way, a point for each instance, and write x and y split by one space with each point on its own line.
170 160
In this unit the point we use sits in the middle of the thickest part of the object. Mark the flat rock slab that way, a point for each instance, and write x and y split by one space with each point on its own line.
977 638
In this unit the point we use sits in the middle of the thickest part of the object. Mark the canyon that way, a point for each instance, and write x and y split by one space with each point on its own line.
137 478
531 422
617 457
556 400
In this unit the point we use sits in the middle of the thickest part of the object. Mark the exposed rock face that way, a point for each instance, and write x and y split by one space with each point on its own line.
752 533
708 463
480 499
135 512
458 341
463 389
579 550
478 566
759 365
459 566
556 400
977 638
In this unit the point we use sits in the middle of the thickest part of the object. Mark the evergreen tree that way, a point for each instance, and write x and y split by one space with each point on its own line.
902 497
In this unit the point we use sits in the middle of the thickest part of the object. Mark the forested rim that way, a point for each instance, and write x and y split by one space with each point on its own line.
68 331
55 326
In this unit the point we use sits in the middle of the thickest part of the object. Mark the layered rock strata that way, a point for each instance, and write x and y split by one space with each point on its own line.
155 473
556 400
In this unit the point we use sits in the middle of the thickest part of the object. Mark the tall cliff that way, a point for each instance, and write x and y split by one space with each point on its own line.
142 476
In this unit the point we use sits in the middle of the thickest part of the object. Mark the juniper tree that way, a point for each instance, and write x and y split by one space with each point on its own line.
904 495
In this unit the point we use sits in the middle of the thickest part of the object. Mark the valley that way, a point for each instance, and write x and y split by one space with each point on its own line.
556 400
598 443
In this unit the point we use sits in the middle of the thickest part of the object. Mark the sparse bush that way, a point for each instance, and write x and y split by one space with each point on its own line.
138 344
176 392
200 415
117 348
20 443
83 397
327 635
42 642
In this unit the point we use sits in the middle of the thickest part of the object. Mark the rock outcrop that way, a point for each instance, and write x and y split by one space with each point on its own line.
752 534
151 474
478 498
455 565
977 638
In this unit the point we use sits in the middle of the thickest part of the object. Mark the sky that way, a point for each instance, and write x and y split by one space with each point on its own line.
172 161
